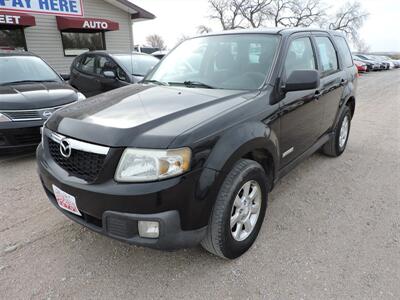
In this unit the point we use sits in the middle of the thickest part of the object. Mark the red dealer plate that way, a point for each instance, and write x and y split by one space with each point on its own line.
66 201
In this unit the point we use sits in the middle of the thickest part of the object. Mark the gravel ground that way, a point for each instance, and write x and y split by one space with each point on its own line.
332 231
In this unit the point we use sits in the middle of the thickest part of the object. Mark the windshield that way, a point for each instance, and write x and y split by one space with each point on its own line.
15 69
234 61
138 64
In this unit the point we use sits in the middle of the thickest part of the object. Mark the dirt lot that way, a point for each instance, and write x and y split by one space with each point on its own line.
332 231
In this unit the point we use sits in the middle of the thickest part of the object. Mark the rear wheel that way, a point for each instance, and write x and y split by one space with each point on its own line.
337 144
239 211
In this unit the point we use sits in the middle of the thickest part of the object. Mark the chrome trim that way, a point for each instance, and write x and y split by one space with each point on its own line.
286 153
40 113
77 145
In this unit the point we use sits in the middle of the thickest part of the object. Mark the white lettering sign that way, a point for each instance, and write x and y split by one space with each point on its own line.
50 7
5 19
95 25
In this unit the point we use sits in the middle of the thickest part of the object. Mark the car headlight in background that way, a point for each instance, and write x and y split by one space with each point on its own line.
141 165
81 96
3 118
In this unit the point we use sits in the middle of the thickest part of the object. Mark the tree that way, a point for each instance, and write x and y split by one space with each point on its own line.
202 29
305 13
278 11
349 19
227 12
255 12
156 41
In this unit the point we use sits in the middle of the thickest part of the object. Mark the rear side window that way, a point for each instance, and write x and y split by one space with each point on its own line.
87 64
327 54
344 51
300 56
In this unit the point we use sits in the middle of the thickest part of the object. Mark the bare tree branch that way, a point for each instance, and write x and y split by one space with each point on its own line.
202 29
305 13
227 12
256 12
349 19
156 41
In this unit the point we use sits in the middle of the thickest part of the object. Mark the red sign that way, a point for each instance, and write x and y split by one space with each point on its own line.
92 24
16 19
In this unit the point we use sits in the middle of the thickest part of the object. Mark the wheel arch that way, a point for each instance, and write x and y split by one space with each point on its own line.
253 140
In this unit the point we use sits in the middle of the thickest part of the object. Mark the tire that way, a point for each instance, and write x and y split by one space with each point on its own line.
220 238
336 146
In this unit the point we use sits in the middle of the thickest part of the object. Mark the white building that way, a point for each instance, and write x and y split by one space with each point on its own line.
58 30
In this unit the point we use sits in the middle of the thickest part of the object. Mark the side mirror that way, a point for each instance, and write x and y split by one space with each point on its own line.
66 77
300 80
109 74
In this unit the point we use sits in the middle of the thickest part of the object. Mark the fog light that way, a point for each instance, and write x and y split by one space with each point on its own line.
149 229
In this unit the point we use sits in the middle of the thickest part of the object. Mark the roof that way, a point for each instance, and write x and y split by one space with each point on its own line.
114 52
275 30
137 13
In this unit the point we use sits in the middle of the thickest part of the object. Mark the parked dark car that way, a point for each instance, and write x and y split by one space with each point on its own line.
30 92
190 155
96 72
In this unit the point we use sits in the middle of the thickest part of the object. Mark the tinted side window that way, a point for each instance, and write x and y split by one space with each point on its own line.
300 56
107 64
87 64
327 54
344 51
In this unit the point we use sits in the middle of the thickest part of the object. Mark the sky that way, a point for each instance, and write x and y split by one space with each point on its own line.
175 18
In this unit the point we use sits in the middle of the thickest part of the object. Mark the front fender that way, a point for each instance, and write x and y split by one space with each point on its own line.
230 147
240 140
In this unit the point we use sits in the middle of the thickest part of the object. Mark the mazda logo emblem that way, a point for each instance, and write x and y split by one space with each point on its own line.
65 148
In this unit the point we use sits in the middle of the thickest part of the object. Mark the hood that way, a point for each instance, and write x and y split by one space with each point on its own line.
36 95
142 115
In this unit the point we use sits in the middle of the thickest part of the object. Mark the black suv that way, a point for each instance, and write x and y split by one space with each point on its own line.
189 155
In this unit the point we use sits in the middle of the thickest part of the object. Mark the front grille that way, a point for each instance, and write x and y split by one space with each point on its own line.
30 115
23 115
81 164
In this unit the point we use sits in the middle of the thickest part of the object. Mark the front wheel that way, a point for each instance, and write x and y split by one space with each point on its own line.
239 211
338 142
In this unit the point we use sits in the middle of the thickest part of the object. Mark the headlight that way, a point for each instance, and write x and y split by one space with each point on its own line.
140 165
81 96
3 118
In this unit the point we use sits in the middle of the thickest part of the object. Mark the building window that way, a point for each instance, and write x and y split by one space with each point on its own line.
12 38
76 43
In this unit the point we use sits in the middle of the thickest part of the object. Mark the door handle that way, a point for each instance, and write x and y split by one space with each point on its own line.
317 95
343 82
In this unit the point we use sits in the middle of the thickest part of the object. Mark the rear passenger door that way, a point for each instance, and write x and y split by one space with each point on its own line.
333 78
301 112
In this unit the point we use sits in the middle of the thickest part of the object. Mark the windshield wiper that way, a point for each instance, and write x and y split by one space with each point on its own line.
189 83
27 81
155 81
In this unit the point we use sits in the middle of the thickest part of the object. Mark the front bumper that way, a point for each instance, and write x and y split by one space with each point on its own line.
124 227
20 134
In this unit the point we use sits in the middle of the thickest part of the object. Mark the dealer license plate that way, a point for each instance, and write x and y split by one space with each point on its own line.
66 201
